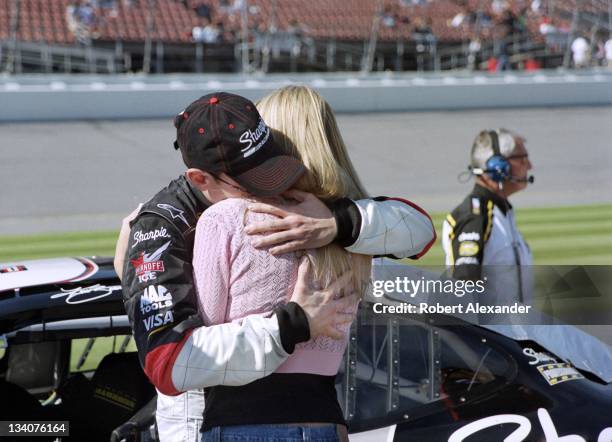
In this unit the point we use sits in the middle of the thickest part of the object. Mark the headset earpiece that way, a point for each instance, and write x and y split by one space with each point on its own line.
498 167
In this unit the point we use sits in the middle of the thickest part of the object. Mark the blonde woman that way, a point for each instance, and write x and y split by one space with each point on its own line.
234 280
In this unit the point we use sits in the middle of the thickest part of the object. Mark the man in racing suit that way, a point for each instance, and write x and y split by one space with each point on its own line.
177 352
480 237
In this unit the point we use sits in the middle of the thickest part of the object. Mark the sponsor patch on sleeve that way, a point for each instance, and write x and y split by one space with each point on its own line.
140 236
156 308
468 236
464 260
148 265
468 248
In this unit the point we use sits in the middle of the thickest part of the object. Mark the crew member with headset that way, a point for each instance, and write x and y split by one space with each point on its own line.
480 237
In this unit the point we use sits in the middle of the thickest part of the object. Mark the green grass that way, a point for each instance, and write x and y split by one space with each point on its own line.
558 235
101 347
13 248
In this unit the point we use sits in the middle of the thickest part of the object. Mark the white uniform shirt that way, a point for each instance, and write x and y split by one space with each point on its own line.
482 234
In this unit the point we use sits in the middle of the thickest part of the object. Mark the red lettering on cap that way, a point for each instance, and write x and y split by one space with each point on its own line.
185 115
201 130
213 100
231 126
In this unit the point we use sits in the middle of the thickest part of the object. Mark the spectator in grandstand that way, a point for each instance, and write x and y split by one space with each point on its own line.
502 56
225 7
499 6
207 32
467 17
555 37
473 51
388 19
70 18
297 28
422 28
521 20
203 10
608 49
197 33
423 35
600 46
299 34
510 22
480 237
581 52
546 26
86 14
482 18
459 19
80 18
600 52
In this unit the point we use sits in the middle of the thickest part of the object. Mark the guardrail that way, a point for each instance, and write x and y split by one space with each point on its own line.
40 97
51 58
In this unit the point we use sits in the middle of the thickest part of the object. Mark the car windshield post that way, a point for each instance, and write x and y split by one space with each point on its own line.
124 344
393 360
435 372
86 350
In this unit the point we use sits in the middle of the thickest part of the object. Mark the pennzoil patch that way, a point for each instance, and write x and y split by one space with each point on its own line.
468 248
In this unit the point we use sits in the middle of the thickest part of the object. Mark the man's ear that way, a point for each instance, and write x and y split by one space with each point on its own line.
200 179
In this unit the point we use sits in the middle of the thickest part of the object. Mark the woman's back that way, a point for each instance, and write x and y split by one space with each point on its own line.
234 280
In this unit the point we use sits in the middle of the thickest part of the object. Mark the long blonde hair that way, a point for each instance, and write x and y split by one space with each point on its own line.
304 124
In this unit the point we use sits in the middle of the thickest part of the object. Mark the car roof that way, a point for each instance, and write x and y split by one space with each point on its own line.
57 289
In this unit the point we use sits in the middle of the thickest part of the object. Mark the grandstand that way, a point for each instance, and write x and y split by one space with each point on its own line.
288 35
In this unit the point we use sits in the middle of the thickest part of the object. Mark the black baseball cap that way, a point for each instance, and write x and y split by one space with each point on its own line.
223 132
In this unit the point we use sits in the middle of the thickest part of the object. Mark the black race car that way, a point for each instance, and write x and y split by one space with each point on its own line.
67 355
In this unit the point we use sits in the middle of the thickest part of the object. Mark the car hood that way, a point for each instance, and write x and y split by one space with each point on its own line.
21 274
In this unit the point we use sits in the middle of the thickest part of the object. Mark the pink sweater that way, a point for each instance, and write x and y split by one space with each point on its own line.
234 280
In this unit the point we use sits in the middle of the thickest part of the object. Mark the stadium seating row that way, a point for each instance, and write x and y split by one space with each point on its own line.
46 20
